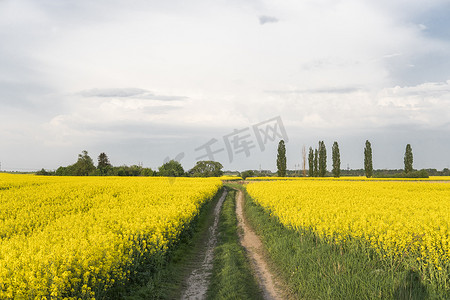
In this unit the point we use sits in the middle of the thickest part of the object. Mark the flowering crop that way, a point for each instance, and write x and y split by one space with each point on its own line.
230 178
401 221
76 237
350 178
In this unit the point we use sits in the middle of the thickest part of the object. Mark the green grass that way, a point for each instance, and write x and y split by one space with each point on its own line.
232 277
315 269
164 277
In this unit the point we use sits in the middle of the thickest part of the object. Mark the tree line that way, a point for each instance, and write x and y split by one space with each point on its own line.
317 162
84 166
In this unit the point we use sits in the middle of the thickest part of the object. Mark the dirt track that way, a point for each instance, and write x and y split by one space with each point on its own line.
198 281
252 244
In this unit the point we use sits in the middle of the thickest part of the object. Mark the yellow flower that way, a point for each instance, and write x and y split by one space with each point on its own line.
66 237
397 219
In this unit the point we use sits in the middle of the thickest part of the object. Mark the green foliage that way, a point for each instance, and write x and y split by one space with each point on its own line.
336 160
207 168
248 173
368 167
316 163
64 171
44 172
84 166
322 159
412 174
281 159
311 162
104 166
171 169
408 160
130 171
147 172
232 276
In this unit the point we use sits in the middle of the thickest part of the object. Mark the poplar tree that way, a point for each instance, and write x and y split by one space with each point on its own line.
336 160
322 159
311 162
316 169
368 167
408 159
281 159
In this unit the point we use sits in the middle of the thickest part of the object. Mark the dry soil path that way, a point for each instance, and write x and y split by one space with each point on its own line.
252 244
198 281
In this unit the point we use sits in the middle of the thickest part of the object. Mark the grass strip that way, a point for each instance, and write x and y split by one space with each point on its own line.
164 279
232 277
316 269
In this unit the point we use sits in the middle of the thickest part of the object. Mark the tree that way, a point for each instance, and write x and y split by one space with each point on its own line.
368 167
171 169
408 159
336 160
316 169
65 171
281 159
248 173
322 159
147 172
311 162
45 172
103 165
207 168
84 165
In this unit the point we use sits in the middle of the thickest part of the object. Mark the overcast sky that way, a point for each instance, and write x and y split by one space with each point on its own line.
147 80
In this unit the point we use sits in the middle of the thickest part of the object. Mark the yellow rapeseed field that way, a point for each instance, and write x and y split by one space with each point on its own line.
350 178
76 237
400 220
230 178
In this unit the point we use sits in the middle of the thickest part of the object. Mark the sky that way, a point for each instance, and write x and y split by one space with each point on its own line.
148 81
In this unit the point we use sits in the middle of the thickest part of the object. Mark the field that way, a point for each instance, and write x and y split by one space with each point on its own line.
89 237
79 237
404 223
350 178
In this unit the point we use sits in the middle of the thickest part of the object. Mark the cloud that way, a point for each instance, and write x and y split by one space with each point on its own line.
135 93
325 90
328 68
351 109
267 19
160 109
427 89
113 93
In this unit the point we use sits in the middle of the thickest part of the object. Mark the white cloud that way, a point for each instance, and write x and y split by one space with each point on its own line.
128 93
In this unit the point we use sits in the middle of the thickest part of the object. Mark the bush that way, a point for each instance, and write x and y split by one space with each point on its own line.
417 174
414 174
248 173
44 172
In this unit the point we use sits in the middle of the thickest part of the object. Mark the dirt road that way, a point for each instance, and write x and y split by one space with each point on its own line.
252 244
198 281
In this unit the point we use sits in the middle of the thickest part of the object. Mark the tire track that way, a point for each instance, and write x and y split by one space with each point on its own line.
253 245
198 281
